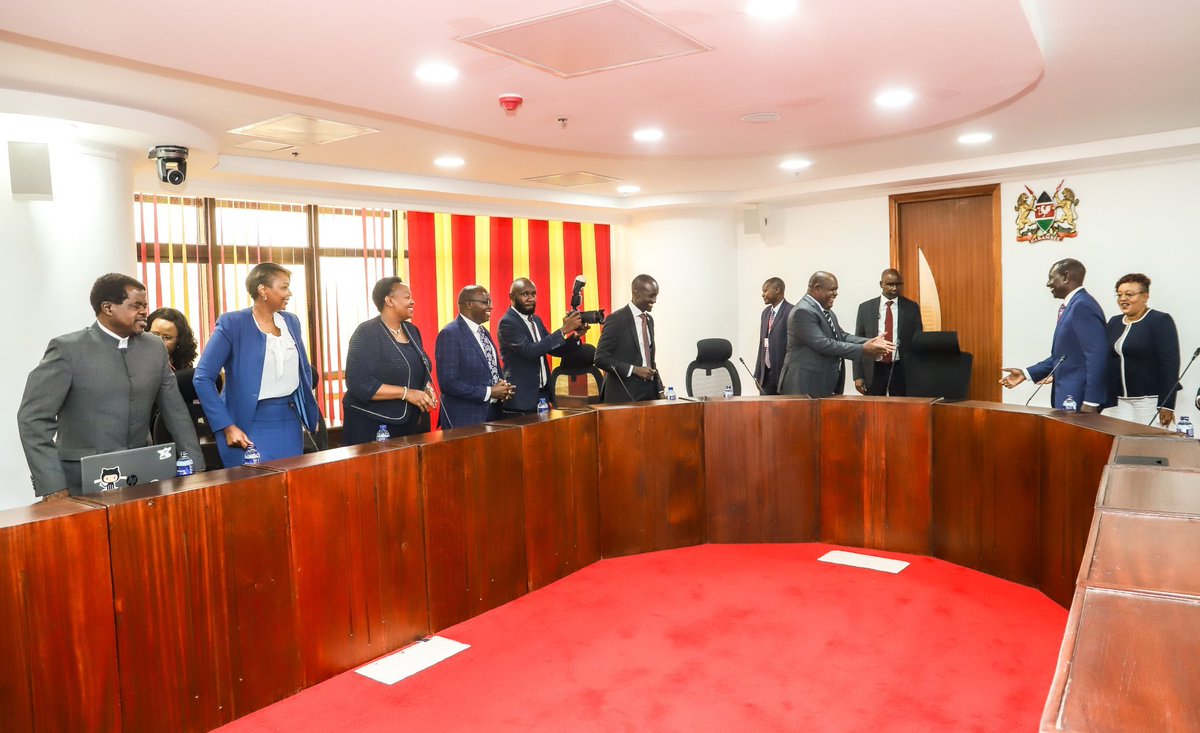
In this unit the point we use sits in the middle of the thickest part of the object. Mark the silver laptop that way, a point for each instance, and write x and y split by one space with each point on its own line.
116 470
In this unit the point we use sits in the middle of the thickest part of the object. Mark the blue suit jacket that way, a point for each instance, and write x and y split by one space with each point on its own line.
464 377
1080 341
238 347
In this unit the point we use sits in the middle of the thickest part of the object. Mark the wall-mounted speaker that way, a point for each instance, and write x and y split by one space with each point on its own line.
29 171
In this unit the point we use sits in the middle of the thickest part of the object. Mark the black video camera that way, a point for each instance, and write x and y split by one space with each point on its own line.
596 316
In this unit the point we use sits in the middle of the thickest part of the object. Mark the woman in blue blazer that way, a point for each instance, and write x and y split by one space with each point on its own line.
1143 357
267 400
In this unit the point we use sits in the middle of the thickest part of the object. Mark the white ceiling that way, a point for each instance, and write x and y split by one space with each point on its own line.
1037 75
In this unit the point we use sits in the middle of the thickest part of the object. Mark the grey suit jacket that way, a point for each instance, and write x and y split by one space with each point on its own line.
815 352
97 398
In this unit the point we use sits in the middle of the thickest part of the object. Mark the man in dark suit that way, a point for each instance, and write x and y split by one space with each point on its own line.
817 344
94 390
627 346
1079 348
897 319
772 336
468 365
525 343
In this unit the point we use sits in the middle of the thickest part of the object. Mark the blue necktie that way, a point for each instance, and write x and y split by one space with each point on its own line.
489 353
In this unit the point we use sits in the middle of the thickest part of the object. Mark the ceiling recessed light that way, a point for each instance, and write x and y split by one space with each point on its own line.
449 162
974 138
757 118
770 8
436 73
894 98
648 135
795 164
628 188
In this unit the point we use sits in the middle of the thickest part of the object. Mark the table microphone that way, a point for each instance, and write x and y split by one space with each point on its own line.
751 373
1042 382
1171 391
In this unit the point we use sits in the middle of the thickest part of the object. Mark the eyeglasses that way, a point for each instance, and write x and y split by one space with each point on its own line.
1130 295
481 302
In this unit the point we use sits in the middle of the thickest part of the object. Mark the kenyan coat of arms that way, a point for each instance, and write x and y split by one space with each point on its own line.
1042 216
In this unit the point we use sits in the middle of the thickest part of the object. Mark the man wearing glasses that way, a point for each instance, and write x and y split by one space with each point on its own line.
468 364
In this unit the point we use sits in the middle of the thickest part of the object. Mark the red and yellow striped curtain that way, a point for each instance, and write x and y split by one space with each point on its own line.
447 252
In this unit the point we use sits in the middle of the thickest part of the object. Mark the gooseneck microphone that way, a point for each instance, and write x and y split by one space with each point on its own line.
1162 400
751 373
1042 382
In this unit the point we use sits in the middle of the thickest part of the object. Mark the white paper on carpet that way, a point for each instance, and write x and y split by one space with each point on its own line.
412 659
858 560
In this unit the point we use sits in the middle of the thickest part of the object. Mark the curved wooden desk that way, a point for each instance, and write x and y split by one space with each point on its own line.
223 592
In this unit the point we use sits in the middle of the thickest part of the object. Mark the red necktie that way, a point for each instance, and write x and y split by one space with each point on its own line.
1061 308
888 332
767 349
646 339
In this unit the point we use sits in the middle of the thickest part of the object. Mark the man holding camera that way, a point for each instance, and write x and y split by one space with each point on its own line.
525 343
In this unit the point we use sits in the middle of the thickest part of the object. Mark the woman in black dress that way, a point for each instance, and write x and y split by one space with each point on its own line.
387 371
173 328
1143 357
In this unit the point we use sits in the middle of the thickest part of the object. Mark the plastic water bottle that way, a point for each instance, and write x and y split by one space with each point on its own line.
543 407
1185 427
252 456
382 434
670 393
183 464
729 390
1069 404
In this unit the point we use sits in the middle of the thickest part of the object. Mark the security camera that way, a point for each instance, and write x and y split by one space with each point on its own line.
171 161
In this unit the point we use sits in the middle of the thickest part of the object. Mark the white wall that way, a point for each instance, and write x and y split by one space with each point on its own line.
54 250
692 255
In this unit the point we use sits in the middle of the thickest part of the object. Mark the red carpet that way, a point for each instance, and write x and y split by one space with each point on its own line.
723 638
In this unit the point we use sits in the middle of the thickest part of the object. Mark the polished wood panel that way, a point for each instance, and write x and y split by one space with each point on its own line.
562 501
986 482
1132 666
58 639
651 476
1175 491
958 231
875 472
1179 451
474 514
1073 460
1134 552
761 469
358 554
203 597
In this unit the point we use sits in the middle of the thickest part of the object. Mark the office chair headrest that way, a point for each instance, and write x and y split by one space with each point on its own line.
936 342
713 351
581 358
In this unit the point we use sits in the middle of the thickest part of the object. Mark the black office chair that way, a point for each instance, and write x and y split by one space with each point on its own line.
712 372
934 366
578 365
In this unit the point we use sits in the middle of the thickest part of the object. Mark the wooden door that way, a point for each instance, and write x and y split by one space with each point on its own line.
946 245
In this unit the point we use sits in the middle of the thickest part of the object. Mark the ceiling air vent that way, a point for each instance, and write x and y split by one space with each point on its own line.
303 130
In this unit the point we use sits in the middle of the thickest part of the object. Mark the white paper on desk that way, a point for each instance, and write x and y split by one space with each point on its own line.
857 560
412 659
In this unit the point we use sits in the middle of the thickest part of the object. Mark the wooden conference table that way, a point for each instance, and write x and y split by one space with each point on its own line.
181 605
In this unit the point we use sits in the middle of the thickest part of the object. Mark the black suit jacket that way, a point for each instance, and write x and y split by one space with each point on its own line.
617 352
1151 359
521 355
778 345
909 324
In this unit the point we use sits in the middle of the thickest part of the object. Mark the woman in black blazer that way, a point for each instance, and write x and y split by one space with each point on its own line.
387 372
173 328
1143 358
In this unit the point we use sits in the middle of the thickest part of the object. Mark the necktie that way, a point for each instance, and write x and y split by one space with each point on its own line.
829 319
489 353
645 339
541 360
1061 308
888 333
766 347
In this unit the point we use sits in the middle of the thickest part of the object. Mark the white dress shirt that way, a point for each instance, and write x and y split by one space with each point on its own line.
281 363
